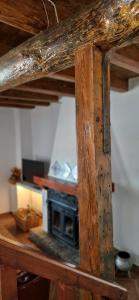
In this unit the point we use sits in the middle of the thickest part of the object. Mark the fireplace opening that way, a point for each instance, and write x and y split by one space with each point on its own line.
56 220
69 228
63 217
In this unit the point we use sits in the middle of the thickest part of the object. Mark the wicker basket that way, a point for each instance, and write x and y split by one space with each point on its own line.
27 218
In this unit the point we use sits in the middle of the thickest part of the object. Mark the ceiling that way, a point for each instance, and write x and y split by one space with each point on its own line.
19 20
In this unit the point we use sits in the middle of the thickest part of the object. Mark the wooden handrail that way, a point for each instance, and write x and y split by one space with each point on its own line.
17 256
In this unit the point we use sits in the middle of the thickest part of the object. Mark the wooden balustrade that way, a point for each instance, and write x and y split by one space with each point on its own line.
15 256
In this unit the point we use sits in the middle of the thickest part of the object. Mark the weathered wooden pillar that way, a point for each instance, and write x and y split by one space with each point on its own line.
8 283
94 166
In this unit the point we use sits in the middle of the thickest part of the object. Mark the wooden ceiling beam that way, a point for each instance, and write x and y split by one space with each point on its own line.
14 37
117 84
63 88
9 101
125 62
51 51
49 86
25 95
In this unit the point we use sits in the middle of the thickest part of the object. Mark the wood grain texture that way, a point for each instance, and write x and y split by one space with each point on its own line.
18 256
106 24
12 37
8 283
94 168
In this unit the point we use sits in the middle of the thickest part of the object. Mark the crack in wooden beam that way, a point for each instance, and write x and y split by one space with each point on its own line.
53 51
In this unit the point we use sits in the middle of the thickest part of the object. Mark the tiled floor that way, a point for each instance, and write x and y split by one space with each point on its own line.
131 284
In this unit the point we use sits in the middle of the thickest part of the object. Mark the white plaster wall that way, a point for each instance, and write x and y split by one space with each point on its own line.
43 127
125 170
38 128
64 149
7 155
26 133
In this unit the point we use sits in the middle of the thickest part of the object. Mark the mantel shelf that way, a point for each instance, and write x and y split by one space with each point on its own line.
59 185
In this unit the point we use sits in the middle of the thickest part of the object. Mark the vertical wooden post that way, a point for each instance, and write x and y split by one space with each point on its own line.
60 291
8 283
94 167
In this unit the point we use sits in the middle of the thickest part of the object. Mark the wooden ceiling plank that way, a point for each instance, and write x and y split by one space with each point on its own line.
125 62
52 51
29 15
49 86
25 95
59 88
116 83
23 102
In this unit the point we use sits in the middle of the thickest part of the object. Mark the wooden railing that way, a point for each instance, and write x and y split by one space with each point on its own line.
15 256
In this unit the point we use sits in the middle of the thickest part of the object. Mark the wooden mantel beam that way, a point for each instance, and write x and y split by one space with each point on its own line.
52 51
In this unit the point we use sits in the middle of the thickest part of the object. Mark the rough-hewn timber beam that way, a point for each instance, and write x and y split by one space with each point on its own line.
25 95
23 102
53 51
49 86
117 84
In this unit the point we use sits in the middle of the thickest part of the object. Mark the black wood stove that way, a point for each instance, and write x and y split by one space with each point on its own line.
63 217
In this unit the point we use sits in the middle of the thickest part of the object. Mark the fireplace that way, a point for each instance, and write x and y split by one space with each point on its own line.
63 217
